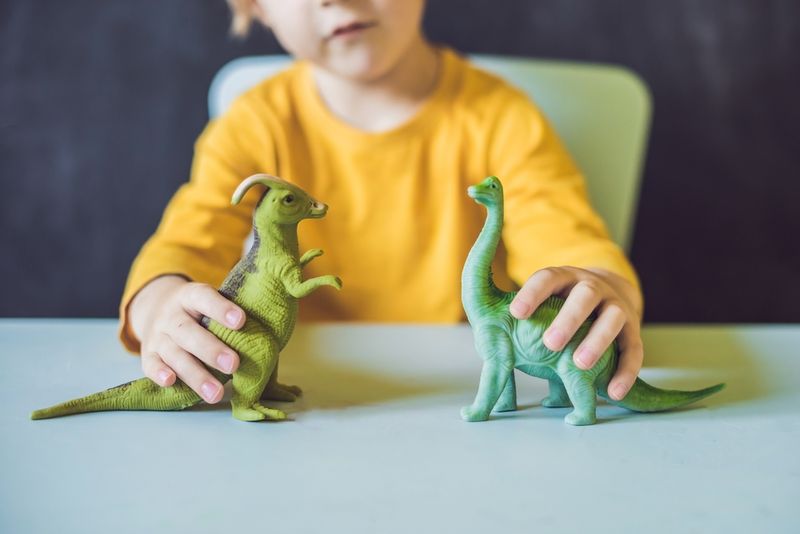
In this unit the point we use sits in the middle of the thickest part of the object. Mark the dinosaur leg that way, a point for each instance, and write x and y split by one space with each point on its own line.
581 391
508 398
558 397
498 364
251 378
280 392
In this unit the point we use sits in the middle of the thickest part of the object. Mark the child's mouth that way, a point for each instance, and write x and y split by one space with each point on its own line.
353 28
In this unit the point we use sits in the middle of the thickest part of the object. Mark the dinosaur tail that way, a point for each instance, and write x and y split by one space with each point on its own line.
643 397
141 394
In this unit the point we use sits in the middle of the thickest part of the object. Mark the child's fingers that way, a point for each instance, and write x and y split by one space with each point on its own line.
538 288
195 339
601 335
189 370
203 300
578 306
156 370
630 361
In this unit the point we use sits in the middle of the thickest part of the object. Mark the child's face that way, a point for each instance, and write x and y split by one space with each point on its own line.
356 39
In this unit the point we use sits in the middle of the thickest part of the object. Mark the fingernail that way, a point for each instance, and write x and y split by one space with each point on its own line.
233 317
554 339
225 362
209 391
520 309
619 391
583 358
163 376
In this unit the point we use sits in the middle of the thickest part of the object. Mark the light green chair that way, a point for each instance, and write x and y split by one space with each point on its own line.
602 112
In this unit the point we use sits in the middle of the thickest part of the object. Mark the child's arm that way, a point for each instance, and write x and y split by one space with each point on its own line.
173 279
550 223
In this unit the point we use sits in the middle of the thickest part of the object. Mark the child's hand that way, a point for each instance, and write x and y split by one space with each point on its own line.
164 316
618 306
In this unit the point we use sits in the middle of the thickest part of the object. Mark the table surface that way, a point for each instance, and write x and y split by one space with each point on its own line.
377 445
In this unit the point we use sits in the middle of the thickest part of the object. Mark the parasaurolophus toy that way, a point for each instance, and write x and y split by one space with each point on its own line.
266 284
505 343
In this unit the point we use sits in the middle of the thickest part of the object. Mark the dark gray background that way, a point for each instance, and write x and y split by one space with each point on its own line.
101 100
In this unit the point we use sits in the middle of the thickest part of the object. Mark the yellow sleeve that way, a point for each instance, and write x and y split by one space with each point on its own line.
201 234
549 220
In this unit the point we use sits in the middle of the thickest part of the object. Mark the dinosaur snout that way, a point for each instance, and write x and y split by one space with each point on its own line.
478 194
318 209
487 192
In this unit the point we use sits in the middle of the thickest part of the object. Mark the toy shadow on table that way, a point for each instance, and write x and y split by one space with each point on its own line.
331 383
705 354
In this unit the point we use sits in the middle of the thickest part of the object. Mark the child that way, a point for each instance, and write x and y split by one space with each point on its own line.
388 130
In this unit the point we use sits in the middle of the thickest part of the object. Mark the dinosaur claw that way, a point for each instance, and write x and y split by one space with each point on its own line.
470 414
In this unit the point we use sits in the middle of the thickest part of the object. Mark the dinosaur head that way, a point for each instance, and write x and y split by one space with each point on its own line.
489 192
282 203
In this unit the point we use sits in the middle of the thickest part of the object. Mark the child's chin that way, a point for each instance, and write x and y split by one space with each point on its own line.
358 65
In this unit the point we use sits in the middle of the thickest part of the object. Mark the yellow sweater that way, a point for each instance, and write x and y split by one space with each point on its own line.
400 223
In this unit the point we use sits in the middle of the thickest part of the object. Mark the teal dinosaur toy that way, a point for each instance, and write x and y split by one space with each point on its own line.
266 284
505 343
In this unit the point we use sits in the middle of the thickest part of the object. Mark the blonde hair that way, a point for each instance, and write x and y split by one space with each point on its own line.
242 16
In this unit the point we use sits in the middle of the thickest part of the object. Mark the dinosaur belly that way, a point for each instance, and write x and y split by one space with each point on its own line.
529 349
268 303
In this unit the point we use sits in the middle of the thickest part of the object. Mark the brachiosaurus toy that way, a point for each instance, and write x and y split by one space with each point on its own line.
505 343
266 284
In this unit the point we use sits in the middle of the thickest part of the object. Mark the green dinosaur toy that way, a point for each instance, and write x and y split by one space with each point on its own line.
266 284
505 343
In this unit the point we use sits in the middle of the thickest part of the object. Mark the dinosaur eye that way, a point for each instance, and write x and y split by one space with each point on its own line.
288 199
494 186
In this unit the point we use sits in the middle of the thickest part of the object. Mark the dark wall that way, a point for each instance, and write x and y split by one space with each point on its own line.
101 100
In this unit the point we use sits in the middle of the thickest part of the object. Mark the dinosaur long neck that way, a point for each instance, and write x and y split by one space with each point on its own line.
278 240
477 287
245 284
269 303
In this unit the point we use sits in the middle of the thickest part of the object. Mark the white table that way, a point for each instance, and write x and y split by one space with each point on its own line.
377 445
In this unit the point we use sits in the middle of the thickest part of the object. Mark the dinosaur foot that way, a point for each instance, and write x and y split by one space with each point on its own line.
580 419
257 412
472 414
501 406
556 402
282 393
